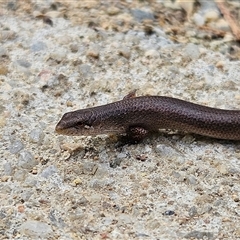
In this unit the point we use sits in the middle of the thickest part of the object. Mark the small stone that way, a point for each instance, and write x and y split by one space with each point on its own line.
38 46
176 175
69 103
221 191
3 52
92 35
192 51
12 5
20 175
235 198
191 180
140 15
192 211
77 181
198 19
152 53
3 70
5 189
207 6
36 135
237 232
154 224
112 10
148 29
35 229
21 208
189 138
3 108
93 52
129 38
169 213
59 55
115 162
191 33
142 157
8 170
222 169
26 160
162 149
5 178
72 148
205 209
90 4
174 69
220 64
222 24
3 121
82 201
199 235
74 47
85 70
16 147
54 14
34 170
125 219
187 6
101 172
30 181
47 172
24 63
211 16
56 219
125 52
22 97
6 35
89 168
48 20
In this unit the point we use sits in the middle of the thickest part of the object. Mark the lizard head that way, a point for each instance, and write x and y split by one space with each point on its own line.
78 122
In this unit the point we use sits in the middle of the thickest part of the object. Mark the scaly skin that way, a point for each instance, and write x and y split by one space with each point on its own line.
137 116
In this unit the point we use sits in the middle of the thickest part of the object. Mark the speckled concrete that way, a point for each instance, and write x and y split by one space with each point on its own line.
170 186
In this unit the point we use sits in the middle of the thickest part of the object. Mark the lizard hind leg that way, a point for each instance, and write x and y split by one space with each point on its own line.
137 133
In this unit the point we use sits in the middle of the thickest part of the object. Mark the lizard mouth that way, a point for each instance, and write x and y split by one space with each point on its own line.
60 129
69 131
75 131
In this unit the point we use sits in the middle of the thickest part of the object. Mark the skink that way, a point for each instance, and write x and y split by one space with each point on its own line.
139 116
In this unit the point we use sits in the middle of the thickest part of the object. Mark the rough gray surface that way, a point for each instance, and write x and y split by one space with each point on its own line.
57 187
